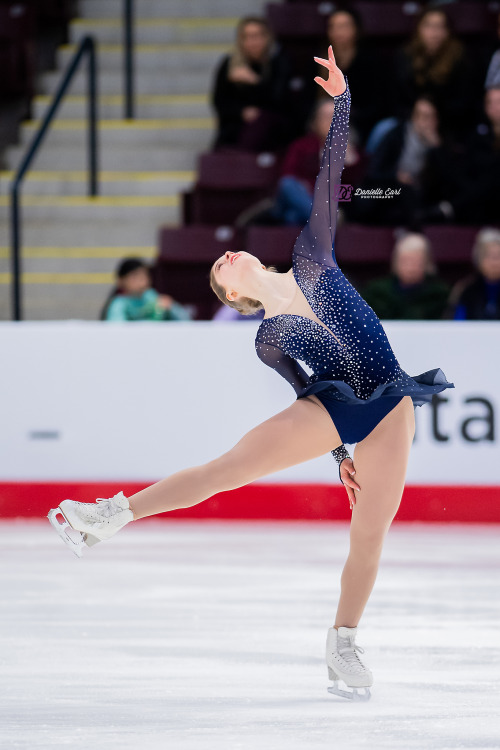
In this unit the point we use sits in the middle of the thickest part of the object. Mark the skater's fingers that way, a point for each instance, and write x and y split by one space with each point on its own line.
350 495
321 61
331 56
349 482
321 82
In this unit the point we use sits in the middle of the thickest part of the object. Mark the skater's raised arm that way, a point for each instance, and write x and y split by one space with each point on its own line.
316 240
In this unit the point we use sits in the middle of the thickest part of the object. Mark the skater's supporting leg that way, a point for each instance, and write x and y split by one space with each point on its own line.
299 433
380 461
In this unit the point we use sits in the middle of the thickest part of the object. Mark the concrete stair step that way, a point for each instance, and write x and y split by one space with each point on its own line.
67 183
196 133
132 229
98 211
157 30
113 158
145 82
58 299
162 8
61 267
169 58
112 106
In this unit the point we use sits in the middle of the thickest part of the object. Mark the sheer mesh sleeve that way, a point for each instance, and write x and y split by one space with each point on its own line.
284 365
316 240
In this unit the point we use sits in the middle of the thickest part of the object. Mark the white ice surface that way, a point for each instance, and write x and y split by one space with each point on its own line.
210 636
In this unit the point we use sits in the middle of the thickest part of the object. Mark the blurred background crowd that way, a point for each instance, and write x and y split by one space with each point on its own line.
425 128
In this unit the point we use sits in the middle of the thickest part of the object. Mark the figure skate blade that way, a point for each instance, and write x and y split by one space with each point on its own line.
353 694
76 542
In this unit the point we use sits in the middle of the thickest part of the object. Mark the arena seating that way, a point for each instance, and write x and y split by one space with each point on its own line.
229 182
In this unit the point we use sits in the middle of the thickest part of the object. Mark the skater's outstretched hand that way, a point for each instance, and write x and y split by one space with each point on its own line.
347 471
335 84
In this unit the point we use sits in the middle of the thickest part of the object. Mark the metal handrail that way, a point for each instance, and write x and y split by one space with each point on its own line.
128 61
86 47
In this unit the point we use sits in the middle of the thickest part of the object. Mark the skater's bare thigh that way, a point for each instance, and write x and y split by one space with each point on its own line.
381 460
302 431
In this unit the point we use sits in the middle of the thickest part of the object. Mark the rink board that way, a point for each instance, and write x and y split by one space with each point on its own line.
91 408
259 501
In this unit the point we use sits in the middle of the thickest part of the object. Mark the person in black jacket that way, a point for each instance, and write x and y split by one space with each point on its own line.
344 32
435 62
400 163
478 297
251 92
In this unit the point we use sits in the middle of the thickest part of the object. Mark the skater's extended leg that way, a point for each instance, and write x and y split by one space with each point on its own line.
380 461
299 433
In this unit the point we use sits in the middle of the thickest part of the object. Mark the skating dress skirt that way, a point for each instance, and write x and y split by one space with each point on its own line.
356 375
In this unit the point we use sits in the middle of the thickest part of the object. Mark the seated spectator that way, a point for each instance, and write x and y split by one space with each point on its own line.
293 200
478 297
360 65
413 291
470 185
133 298
493 73
400 163
251 91
435 62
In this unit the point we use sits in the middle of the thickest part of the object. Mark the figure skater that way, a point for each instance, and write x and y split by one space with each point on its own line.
358 393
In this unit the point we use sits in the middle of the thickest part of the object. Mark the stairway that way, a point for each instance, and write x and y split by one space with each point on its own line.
72 243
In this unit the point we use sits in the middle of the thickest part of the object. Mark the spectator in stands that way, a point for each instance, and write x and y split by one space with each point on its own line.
478 296
345 34
401 162
293 199
251 91
470 184
435 62
493 74
413 291
133 298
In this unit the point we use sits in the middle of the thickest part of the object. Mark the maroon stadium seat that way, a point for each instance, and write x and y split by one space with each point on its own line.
185 258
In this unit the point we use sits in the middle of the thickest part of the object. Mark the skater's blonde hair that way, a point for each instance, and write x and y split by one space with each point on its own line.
244 305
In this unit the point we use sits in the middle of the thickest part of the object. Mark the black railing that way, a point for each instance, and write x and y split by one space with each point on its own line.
86 47
128 62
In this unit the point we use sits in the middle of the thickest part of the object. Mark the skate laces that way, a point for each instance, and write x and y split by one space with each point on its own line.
347 650
108 507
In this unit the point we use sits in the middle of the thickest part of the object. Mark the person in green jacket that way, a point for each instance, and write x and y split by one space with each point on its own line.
133 298
413 291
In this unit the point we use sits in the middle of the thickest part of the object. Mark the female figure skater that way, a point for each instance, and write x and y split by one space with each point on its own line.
357 394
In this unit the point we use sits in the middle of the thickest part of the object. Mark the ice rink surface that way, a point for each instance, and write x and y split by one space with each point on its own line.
210 635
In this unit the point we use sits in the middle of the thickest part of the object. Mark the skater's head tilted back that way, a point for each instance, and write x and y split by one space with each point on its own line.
238 279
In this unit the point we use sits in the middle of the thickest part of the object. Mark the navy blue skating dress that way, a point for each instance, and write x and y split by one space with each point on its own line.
356 375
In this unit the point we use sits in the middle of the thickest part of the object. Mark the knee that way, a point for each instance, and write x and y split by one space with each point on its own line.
367 543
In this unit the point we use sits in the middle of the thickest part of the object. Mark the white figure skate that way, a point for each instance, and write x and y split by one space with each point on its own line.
93 522
344 664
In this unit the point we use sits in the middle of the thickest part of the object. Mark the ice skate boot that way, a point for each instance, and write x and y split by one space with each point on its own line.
344 664
92 522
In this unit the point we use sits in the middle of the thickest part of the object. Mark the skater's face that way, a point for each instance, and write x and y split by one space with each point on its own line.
232 269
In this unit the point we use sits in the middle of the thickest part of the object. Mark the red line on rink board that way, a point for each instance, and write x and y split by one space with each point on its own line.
430 503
